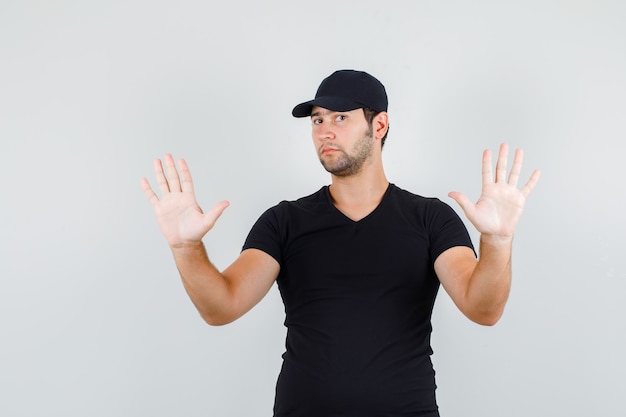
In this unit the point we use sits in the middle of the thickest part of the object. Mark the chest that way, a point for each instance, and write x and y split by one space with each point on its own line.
356 257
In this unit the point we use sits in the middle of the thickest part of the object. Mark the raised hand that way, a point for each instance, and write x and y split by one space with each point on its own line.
500 206
177 212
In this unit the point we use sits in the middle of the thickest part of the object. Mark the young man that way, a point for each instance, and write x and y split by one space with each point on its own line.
358 263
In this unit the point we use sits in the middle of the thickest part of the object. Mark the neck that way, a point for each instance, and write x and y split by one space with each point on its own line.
359 193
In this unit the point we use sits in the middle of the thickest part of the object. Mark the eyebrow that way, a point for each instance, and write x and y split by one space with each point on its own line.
319 113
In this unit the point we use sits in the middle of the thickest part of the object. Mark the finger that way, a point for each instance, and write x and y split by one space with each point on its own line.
466 204
147 190
215 213
530 185
487 170
161 180
186 183
501 163
172 174
516 168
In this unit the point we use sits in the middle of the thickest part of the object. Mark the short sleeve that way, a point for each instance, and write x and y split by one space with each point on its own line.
265 234
446 229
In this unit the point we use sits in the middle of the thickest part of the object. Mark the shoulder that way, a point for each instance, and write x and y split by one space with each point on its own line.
296 211
438 220
424 205
431 214
279 223
307 203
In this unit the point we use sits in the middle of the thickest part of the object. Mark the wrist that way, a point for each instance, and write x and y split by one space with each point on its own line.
496 240
188 246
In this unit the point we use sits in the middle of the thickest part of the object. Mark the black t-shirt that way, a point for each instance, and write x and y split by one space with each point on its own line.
358 300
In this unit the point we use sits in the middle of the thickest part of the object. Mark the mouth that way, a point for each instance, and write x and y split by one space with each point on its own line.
325 149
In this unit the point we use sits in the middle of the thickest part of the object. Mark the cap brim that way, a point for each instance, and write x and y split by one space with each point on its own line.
330 103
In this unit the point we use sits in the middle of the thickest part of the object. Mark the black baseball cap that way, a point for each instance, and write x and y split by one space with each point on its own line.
346 90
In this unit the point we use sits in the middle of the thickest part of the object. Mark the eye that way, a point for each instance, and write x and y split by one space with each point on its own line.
317 121
341 117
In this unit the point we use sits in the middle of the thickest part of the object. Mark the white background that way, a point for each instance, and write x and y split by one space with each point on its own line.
93 318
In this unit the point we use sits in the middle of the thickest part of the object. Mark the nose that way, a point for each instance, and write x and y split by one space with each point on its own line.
323 132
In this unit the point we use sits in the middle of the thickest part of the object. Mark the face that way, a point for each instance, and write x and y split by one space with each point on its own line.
344 140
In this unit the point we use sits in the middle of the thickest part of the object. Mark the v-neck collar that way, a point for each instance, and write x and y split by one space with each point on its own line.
329 200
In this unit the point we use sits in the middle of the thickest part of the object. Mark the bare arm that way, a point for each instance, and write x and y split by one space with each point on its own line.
220 297
481 288
223 297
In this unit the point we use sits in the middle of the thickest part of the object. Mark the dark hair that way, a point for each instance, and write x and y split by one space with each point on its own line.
369 117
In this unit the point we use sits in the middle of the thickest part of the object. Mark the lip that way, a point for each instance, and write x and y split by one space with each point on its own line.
327 149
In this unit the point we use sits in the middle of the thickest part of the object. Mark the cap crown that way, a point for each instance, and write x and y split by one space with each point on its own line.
346 90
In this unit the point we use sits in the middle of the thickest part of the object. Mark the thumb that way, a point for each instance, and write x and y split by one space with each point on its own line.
211 216
466 204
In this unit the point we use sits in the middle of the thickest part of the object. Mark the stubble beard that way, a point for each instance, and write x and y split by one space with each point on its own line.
346 165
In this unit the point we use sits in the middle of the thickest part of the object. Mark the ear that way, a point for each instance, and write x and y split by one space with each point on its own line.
380 124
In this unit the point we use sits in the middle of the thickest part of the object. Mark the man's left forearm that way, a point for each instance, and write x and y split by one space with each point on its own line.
490 283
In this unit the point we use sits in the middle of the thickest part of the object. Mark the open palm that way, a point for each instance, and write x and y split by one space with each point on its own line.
500 206
180 218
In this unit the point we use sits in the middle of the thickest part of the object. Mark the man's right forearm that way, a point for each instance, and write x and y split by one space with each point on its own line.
208 289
